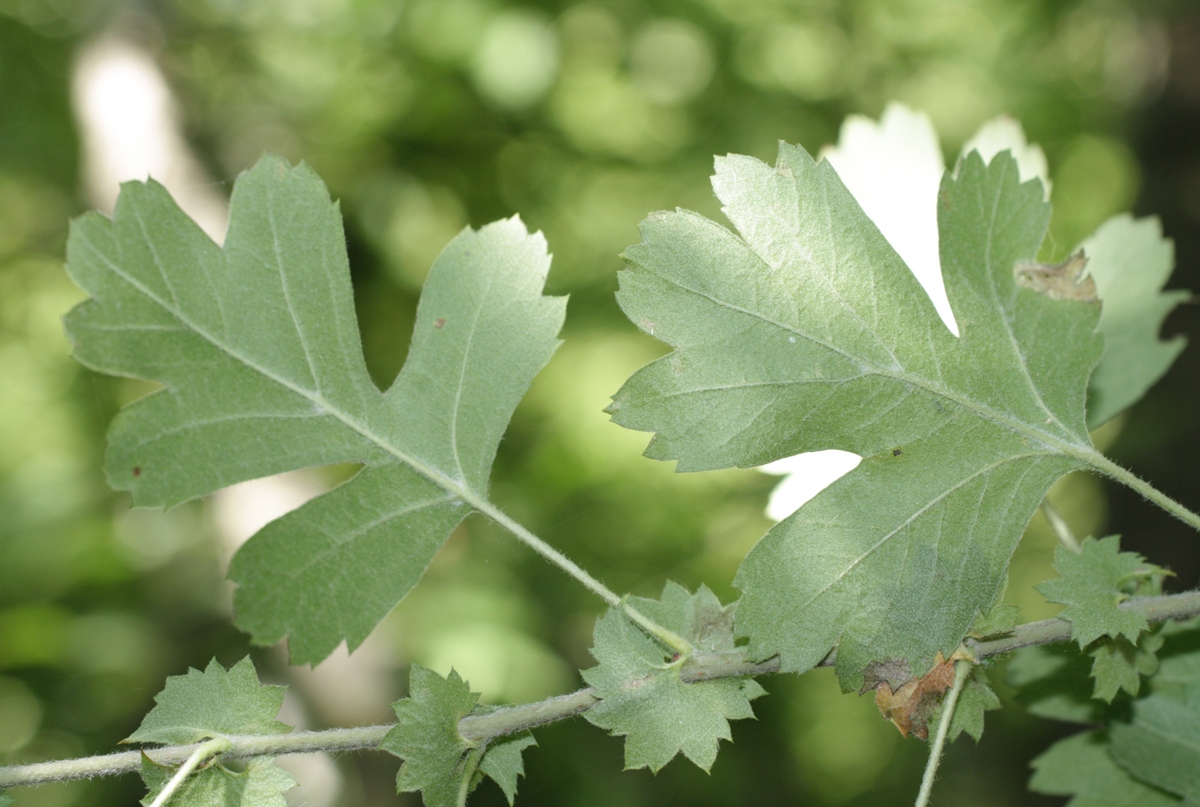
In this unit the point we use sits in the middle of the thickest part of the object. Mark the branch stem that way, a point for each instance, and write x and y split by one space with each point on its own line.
961 668
512 719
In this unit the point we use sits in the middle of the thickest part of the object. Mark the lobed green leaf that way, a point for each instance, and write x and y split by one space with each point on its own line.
642 694
438 761
1161 745
261 784
214 703
1081 767
1095 580
259 353
804 331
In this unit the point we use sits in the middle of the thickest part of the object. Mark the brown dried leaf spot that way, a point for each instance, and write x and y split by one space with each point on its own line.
1058 281
911 706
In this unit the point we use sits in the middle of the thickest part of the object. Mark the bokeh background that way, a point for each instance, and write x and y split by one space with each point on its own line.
424 116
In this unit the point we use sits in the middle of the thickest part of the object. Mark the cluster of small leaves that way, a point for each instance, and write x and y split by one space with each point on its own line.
1095 581
642 694
438 760
1144 752
207 705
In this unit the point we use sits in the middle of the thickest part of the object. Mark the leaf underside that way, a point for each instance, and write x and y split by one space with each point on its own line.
258 348
215 703
261 784
435 755
1095 580
804 331
201 705
1080 766
1130 262
643 697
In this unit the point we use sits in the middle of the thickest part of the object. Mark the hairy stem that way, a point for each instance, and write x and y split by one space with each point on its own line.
469 768
1129 479
961 668
512 719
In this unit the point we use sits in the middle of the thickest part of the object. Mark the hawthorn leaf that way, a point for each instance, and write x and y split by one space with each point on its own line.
1119 664
976 698
1161 745
258 349
642 694
213 703
1095 580
504 764
438 761
1130 262
426 736
261 784
1081 767
803 332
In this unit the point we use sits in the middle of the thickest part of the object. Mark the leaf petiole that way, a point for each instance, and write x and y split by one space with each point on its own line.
470 765
961 669
1131 480
203 752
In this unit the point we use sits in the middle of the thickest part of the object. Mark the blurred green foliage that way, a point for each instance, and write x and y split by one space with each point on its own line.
424 116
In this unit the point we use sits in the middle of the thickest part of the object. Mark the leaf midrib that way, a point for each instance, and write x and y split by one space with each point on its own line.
1083 453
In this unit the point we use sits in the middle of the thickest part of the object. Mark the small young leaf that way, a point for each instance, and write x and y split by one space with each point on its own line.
996 622
261 784
1161 746
1120 664
504 764
437 759
213 703
426 736
806 332
1080 766
258 348
1130 261
976 698
1095 580
642 694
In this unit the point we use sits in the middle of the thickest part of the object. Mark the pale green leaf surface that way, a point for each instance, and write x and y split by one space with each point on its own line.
258 348
642 694
1119 664
261 784
805 332
5 801
1095 580
504 764
213 703
976 698
436 757
1130 262
426 736
1080 767
1161 746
